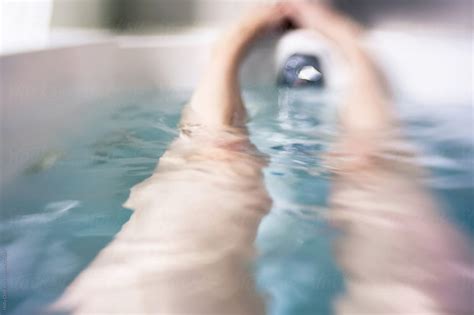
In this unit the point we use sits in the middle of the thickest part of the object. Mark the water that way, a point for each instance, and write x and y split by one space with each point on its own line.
63 210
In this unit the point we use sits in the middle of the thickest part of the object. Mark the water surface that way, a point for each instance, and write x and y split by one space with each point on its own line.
66 207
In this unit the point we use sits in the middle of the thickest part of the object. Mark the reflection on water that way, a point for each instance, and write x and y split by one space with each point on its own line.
389 242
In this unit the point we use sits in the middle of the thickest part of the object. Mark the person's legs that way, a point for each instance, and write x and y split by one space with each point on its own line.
217 100
398 254
187 247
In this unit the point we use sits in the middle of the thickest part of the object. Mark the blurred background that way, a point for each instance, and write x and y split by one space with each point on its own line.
65 54
30 24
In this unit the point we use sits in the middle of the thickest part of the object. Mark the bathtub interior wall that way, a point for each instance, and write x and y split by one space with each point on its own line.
47 93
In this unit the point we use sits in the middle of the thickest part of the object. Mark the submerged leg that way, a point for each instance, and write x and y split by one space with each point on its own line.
398 254
188 245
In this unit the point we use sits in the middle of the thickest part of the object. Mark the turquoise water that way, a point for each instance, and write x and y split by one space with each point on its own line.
60 213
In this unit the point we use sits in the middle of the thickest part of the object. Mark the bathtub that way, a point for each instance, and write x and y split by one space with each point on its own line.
44 92
46 95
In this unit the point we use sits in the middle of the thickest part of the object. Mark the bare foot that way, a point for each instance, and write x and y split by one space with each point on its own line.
322 18
256 23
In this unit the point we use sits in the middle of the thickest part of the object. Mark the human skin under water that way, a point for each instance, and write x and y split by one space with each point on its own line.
399 255
187 246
